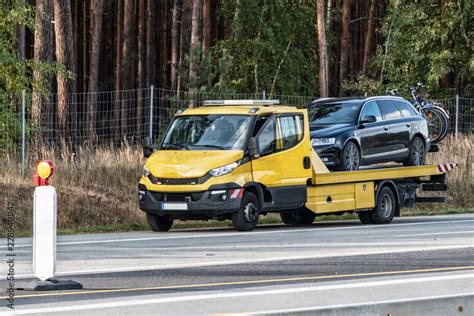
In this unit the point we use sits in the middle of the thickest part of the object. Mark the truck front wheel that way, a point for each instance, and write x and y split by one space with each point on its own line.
159 223
246 218
298 217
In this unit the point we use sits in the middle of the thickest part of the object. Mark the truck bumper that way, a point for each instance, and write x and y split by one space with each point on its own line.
190 205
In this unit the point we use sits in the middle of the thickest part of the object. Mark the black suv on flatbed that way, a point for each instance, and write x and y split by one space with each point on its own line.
350 132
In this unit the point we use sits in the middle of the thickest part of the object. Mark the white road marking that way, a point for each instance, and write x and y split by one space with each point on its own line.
234 294
440 233
313 229
242 245
244 261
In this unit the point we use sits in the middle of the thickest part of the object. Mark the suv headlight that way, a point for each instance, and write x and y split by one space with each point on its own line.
146 172
323 141
216 172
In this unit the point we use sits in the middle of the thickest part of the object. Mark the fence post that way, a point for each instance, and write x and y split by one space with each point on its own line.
23 132
150 134
457 115
263 94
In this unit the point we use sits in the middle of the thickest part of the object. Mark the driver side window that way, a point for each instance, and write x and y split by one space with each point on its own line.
371 108
266 139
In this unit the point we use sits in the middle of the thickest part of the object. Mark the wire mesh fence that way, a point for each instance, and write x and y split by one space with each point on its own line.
30 122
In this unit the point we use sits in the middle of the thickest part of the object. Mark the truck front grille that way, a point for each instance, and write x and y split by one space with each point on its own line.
179 181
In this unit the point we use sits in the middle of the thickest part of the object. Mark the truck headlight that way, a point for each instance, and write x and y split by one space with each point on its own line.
224 169
146 172
323 141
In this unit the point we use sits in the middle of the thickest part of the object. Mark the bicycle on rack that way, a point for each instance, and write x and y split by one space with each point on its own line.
433 113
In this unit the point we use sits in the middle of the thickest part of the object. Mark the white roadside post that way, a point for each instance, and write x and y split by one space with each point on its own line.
44 234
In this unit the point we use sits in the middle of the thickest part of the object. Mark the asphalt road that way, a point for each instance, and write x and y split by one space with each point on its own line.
272 269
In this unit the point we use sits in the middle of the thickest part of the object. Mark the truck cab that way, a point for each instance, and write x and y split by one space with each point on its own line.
239 159
228 160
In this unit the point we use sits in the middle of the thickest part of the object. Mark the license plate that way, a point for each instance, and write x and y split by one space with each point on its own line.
174 206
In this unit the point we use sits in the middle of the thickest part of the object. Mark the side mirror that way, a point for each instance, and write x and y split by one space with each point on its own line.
148 147
253 147
368 119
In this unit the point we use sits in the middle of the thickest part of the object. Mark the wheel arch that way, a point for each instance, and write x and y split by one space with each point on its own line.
255 188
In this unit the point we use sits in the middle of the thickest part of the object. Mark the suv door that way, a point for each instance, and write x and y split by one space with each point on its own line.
398 129
283 164
373 136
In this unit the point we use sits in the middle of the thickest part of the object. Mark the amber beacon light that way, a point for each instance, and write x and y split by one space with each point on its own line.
43 171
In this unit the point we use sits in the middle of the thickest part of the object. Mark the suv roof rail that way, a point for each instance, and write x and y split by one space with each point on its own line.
241 102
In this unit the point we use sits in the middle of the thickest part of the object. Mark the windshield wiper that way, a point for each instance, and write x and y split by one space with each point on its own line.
176 146
208 145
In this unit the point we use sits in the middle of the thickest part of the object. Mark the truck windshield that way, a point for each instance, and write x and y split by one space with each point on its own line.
334 113
207 132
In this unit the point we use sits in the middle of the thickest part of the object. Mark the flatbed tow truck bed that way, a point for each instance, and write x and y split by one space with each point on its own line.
333 192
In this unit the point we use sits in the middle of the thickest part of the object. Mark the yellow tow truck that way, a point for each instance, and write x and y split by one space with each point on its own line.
240 159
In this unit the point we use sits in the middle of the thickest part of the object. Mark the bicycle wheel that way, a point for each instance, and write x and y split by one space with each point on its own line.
437 124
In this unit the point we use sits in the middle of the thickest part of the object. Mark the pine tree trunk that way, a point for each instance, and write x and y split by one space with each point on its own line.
65 57
126 62
369 37
42 52
141 62
345 44
185 38
97 7
206 26
175 28
150 43
196 38
118 67
323 56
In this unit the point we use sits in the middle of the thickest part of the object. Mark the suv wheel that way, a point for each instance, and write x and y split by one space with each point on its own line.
416 153
350 157
302 216
159 223
246 218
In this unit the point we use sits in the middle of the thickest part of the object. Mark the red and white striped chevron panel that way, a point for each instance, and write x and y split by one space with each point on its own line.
445 167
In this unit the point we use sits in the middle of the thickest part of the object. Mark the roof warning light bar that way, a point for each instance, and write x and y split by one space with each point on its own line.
241 102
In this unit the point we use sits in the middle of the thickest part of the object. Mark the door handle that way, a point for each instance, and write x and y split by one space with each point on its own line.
385 128
306 162
408 125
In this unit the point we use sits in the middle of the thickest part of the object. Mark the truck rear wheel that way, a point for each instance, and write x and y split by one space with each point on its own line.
298 217
159 223
246 218
384 210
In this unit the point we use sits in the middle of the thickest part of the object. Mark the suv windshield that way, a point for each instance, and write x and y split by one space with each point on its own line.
334 113
207 132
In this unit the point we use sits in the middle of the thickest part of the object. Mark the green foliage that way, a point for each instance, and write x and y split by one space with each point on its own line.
271 46
15 71
210 71
363 85
429 44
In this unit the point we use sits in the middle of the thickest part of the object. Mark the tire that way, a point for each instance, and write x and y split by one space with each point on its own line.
350 159
416 153
386 206
159 223
437 124
365 217
246 218
302 216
